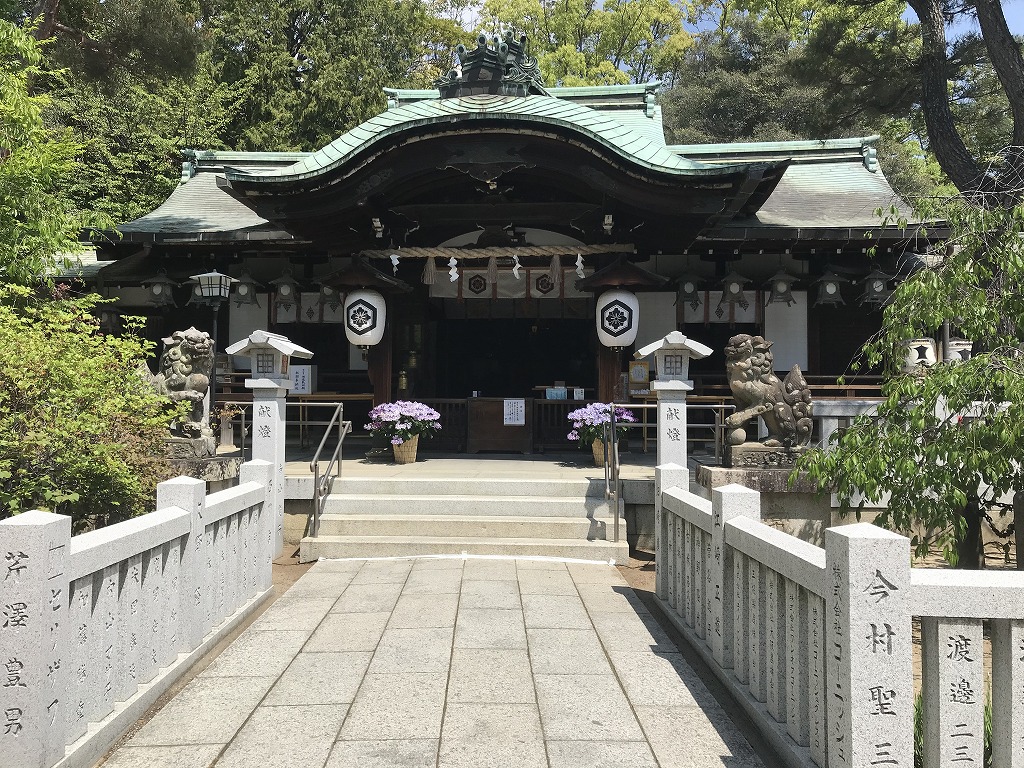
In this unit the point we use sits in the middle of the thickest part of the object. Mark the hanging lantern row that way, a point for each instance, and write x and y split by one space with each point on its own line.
779 288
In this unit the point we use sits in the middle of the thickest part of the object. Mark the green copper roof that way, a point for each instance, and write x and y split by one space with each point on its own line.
520 112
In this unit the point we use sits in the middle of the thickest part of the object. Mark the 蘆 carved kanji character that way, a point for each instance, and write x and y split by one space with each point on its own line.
15 564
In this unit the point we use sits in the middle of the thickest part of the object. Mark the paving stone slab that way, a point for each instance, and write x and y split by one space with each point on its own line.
285 737
290 612
662 677
335 566
595 574
414 610
257 653
488 628
426 649
383 572
185 756
502 595
623 631
491 736
585 708
601 754
555 612
611 599
348 632
321 584
711 739
540 565
392 753
566 652
209 710
433 581
397 706
546 583
490 675
368 598
490 570
320 678
437 564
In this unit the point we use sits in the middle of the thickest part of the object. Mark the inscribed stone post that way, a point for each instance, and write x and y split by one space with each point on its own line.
190 617
665 476
727 503
869 671
262 537
953 684
268 424
33 608
1008 693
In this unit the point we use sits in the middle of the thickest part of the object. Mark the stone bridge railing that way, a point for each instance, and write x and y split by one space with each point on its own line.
817 644
94 627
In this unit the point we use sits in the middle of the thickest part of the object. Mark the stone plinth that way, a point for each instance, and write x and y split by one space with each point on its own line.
797 510
212 469
188 448
757 455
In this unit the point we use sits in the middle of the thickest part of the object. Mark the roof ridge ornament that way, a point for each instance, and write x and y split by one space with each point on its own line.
506 69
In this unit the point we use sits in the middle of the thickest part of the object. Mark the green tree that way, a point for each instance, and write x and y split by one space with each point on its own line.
947 442
81 431
37 218
582 42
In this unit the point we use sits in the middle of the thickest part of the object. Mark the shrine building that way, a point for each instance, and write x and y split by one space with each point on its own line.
498 238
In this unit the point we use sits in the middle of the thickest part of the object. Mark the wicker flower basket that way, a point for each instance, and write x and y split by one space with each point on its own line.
598 447
406 452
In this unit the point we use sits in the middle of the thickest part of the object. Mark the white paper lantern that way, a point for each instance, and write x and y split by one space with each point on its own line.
365 313
618 316
921 353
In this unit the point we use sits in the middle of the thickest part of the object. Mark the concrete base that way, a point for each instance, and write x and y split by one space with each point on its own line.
758 456
219 472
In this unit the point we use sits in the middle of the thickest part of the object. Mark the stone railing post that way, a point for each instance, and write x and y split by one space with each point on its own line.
727 503
191 612
258 471
665 476
869 667
34 547
268 427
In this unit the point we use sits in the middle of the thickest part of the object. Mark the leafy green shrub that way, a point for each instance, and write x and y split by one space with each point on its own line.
80 430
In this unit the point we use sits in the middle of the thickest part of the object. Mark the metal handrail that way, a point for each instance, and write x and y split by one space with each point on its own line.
322 485
610 443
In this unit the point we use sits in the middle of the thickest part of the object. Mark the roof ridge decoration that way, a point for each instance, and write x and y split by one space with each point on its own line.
505 69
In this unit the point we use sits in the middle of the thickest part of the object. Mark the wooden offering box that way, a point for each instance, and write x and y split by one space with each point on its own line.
500 424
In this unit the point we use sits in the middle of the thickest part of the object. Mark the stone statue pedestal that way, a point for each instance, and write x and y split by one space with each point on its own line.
760 456
797 510
190 448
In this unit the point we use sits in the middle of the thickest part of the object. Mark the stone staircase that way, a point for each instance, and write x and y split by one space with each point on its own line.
389 517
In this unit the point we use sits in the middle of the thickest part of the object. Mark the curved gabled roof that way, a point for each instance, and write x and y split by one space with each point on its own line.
599 127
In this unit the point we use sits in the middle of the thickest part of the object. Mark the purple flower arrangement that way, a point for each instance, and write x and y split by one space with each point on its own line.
588 423
403 420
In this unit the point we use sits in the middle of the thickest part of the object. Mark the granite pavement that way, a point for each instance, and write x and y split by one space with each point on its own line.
446 663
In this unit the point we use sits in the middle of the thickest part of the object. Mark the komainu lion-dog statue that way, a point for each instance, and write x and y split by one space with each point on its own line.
785 405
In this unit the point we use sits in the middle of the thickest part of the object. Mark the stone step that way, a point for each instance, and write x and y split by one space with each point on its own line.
469 486
462 505
478 526
407 546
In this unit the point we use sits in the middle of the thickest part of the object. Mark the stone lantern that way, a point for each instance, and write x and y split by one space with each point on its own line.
269 354
672 356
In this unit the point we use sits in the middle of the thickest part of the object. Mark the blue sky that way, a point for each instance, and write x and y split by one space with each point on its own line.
1014 10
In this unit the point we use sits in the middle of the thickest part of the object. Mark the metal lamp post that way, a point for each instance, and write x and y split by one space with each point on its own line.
214 288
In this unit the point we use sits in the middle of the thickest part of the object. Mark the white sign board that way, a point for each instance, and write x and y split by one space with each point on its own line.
515 413
302 379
